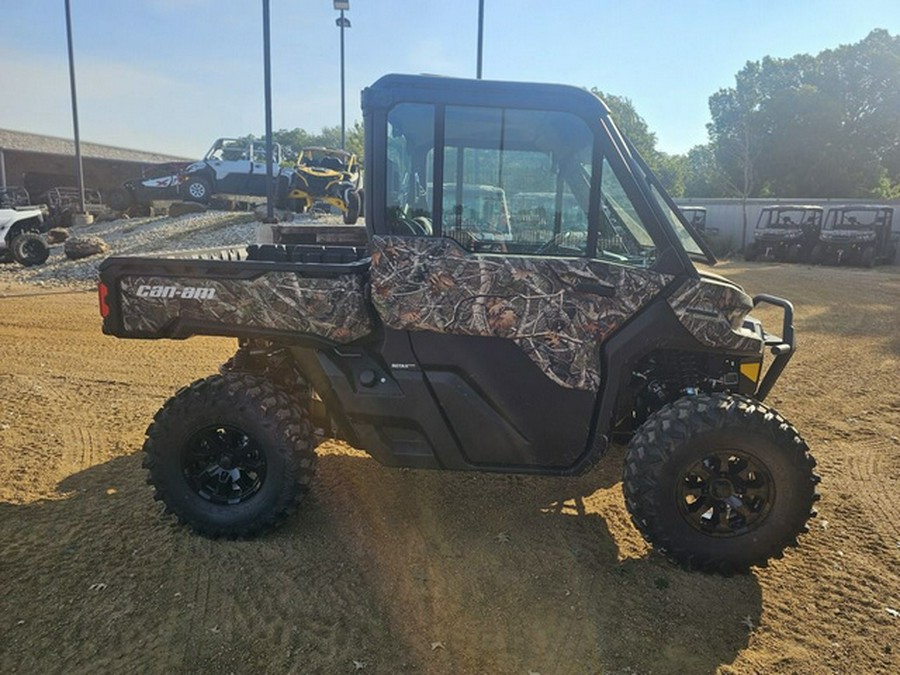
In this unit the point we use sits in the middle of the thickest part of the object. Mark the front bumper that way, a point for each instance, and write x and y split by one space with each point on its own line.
782 347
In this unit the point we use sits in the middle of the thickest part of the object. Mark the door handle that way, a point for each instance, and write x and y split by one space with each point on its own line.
595 288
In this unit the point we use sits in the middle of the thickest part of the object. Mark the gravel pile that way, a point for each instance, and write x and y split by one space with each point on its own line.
136 236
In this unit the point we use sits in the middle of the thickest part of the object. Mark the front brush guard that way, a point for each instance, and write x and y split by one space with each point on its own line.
782 347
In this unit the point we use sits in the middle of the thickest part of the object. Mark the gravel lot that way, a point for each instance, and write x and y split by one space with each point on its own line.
136 236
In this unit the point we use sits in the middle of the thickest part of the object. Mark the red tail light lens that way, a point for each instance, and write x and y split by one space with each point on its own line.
102 292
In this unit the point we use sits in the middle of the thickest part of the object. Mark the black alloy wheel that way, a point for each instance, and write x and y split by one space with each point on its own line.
719 482
726 493
231 455
223 465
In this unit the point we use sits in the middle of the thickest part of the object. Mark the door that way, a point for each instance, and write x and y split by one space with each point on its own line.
256 183
507 293
231 161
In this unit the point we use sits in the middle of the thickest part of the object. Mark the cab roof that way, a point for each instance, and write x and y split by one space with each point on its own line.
391 89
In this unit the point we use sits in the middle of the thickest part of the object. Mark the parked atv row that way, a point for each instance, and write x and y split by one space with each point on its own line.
854 235
321 178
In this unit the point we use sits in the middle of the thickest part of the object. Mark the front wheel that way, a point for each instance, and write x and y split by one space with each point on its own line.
817 255
230 455
719 483
867 257
196 189
351 215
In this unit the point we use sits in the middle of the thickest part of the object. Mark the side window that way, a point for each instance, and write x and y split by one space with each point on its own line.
516 180
513 181
259 152
235 151
621 230
410 141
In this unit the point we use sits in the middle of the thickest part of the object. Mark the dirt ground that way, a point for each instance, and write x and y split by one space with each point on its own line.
396 571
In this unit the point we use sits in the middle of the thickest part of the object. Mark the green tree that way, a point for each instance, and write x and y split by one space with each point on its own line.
736 135
736 130
813 126
703 175
292 140
669 168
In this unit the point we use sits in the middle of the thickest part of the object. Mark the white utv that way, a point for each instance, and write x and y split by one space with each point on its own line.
233 167
20 236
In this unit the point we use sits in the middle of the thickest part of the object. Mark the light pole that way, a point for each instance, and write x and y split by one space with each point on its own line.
78 164
267 74
342 23
480 36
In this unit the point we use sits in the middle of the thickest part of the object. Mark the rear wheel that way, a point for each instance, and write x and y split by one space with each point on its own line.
230 455
119 199
29 248
719 483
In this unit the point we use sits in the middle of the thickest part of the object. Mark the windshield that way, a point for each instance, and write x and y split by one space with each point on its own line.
229 150
855 219
787 218
477 208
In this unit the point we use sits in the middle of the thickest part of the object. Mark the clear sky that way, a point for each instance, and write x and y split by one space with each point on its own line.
173 75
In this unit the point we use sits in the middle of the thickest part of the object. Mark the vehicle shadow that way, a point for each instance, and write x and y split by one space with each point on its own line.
381 569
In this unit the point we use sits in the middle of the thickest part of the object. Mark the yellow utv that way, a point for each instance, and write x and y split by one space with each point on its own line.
326 176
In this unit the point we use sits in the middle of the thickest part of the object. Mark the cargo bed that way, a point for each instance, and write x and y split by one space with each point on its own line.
291 292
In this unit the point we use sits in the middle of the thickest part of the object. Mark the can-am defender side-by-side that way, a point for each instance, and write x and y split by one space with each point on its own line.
330 177
786 232
856 235
437 347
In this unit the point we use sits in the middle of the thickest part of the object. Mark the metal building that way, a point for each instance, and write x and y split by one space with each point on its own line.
39 163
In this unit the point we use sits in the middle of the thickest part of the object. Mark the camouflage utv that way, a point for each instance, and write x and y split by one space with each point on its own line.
786 232
436 346
857 235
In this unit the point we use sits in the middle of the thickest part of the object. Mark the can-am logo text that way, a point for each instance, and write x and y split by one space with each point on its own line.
184 292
